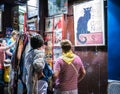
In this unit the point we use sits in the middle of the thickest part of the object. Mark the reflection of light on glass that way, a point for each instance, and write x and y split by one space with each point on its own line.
32 3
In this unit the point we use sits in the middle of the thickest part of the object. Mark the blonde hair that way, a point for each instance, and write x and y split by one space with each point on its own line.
14 32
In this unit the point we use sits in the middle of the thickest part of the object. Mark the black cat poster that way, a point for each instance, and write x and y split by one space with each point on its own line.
89 23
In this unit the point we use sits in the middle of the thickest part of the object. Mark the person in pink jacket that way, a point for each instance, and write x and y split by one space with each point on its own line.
68 70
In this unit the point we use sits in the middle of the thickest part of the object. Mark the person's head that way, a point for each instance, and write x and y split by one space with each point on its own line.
2 42
66 45
36 41
14 34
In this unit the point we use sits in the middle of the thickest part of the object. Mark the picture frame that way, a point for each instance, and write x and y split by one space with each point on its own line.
89 28
49 24
58 22
57 37
56 7
32 8
58 29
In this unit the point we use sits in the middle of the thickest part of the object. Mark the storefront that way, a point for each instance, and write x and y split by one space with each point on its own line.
83 22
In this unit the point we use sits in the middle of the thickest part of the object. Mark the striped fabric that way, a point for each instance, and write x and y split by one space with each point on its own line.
67 79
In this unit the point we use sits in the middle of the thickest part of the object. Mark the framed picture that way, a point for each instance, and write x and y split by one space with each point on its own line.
57 37
49 24
32 26
56 7
58 22
32 8
89 26
58 29
0 21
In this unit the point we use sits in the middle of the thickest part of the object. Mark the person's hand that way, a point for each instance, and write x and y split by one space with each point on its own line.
7 60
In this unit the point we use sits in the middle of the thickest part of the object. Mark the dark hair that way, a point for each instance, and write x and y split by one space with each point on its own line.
66 45
36 41
46 43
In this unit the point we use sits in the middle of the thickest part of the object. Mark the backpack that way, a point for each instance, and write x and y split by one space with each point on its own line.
47 71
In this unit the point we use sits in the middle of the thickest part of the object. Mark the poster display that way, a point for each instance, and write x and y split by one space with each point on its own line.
54 25
54 33
89 23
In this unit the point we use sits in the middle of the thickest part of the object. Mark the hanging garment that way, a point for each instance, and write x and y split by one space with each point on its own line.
16 58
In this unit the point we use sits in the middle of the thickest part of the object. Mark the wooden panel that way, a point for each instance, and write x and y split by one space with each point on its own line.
95 61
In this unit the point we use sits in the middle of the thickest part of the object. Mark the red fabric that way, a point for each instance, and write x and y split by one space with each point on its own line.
2 58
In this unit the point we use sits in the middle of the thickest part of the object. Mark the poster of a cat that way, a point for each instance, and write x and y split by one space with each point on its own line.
89 23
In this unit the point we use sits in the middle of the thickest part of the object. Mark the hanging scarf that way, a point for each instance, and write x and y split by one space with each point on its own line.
68 57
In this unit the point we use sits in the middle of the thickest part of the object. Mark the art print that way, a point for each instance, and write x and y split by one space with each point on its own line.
49 24
57 37
89 23
58 22
56 7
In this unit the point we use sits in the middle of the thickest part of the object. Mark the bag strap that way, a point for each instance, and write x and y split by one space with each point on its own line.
75 69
